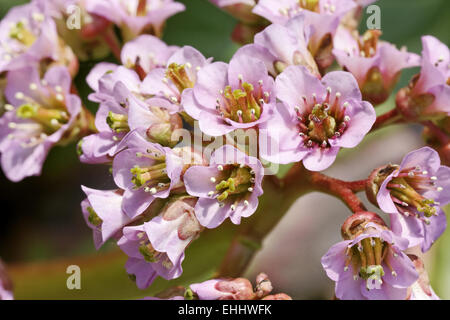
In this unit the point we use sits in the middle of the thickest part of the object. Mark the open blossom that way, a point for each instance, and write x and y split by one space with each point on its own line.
5 284
41 114
412 193
375 64
315 119
323 15
428 93
280 46
103 213
156 248
145 171
142 55
27 35
370 265
228 97
177 76
135 16
146 53
228 188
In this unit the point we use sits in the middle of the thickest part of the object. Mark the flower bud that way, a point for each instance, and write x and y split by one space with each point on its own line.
421 289
356 223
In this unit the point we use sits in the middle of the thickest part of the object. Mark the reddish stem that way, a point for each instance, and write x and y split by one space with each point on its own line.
390 117
437 132
112 42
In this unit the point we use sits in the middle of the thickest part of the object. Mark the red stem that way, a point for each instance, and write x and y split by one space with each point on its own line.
390 117
437 132
112 42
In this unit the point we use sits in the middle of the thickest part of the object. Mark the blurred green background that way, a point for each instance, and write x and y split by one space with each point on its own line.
42 230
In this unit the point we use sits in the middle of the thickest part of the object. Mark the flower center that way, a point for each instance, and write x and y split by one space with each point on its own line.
368 43
407 191
153 178
234 183
179 76
311 5
320 122
366 258
117 122
151 255
244 104
20 33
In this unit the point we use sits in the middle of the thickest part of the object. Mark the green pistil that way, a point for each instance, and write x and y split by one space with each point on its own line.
117 122
50 119
188 294
149 254
321 125
177 73
371 272
93 218
410 196
156 173
243 106
21 34
238 183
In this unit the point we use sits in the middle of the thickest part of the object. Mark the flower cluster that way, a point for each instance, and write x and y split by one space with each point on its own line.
39 57
303 87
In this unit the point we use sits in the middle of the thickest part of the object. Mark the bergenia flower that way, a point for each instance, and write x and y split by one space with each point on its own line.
179 75
323 15
228 97
42 113
5 284
146 53
413 193
145 263
135 16
27 36
421 289
228 188
428 94
145 171
315 119
102 211
280 46
371 265
114 90
375 64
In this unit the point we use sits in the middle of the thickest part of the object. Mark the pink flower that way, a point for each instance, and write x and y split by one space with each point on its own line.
102 211
323 15
228 97
315 118
228 188
145 171
27 36
280 46
146 52
375 65
135 16
370 266
412 193
41 114
224 289
428 94
179 75
144 262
